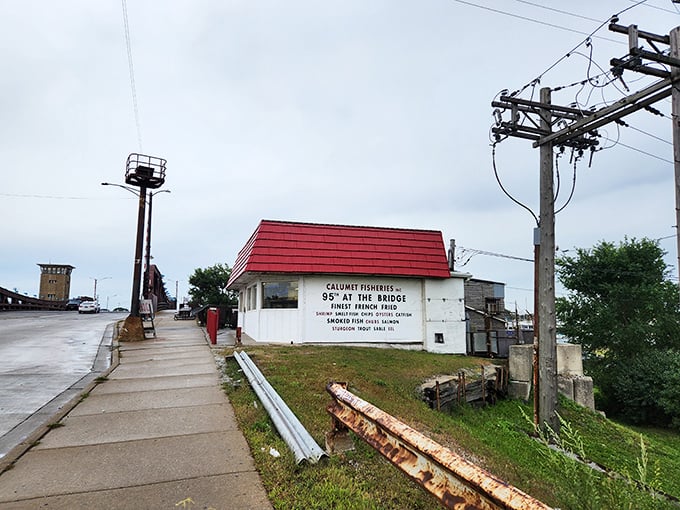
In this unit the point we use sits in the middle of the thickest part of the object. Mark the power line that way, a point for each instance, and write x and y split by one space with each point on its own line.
586 40
52 197
128 44
658 8
474 252
519 288
500 184
567 13
533 20
649 134
617 142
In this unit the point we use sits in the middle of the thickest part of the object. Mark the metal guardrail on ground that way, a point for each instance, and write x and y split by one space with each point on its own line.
457 483
291 430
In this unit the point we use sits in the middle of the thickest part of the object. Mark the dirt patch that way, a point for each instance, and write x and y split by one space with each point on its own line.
131 330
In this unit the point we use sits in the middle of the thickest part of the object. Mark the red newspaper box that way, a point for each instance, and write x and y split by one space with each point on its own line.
211 323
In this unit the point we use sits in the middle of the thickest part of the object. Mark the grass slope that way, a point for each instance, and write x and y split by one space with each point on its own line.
498 438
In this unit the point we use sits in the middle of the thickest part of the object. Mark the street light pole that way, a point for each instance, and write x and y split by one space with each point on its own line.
147 276
137 270
147 273
137 273
95 286
144 172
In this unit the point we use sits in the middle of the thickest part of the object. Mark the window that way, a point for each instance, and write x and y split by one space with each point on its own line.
280 294
494 305
251 297
439 338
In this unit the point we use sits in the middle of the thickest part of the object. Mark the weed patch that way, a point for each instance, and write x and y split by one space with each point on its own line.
498 438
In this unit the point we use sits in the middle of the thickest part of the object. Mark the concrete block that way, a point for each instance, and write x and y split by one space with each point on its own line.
569 360
565 385
583 392
520 362
519 390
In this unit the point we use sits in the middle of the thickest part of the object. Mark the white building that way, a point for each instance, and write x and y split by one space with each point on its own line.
337 284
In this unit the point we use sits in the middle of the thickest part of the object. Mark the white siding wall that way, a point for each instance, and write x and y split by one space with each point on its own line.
445 316
365 310
277 325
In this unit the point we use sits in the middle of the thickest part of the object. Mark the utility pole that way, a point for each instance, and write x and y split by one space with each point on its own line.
547 347
675 109
671 78
537 255
580 133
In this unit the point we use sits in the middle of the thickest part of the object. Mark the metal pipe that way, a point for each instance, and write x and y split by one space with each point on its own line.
146 289
454 481
291 430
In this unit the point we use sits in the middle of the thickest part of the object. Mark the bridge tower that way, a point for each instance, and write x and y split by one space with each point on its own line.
55 281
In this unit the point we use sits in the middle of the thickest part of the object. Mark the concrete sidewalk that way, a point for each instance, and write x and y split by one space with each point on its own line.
158 434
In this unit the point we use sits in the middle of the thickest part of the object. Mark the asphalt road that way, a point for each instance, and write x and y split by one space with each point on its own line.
42 355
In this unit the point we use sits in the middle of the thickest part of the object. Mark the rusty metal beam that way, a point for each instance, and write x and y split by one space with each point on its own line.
455 482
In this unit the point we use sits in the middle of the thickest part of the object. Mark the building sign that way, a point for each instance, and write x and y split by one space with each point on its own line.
363 310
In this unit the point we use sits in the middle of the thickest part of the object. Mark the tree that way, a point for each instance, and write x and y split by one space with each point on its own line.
207 286
621 308
649 387
620 300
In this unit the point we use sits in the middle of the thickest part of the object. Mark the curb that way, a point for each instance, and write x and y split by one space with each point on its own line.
81 387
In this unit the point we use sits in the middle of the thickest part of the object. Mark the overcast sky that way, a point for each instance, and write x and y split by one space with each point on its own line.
345 112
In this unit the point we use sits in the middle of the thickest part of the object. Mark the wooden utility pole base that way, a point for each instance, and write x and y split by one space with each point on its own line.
132 330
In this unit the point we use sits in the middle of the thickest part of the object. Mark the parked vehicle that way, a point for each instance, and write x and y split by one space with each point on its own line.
184 313
73 304
88 307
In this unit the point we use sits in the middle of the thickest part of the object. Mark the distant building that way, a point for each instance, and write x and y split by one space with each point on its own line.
484 306
338 284
488 330
155 290
55 281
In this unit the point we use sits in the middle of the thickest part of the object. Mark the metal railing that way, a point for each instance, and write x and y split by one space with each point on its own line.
14 301
454 481
291 430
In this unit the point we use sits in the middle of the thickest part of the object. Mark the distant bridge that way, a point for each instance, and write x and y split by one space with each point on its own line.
10 300
157 291
14 301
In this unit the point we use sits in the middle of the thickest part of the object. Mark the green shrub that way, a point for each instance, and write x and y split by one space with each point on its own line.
644 389
669 392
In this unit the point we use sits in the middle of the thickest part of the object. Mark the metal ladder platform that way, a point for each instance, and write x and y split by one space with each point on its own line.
147 316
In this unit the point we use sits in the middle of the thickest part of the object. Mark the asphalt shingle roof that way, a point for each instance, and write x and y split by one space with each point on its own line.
291 247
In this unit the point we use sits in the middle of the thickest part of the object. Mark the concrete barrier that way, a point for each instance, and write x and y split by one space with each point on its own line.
570 379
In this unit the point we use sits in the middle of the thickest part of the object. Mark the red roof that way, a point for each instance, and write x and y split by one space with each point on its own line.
290 247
